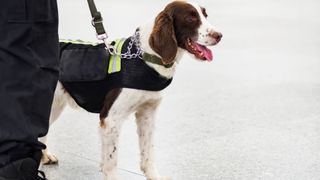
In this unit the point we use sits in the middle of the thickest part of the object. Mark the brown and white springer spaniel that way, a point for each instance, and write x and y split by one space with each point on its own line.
181 27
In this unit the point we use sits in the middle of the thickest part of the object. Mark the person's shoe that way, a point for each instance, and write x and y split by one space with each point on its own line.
24 169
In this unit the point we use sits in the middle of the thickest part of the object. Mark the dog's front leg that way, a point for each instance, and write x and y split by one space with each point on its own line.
109 134
145 118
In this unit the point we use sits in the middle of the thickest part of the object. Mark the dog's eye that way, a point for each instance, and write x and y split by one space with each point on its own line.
191 19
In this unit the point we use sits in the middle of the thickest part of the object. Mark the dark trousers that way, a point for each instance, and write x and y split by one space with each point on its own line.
28 74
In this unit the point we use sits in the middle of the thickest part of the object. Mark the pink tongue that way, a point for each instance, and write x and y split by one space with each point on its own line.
206 52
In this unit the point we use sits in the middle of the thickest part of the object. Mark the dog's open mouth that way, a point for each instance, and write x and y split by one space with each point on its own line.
200 51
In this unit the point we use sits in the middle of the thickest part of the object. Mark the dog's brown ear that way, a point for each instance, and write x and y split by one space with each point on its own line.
163 40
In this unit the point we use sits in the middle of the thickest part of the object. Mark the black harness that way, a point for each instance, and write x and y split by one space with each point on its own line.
83 73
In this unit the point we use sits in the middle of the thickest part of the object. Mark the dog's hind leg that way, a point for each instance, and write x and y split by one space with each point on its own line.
59 102
145 118
47 157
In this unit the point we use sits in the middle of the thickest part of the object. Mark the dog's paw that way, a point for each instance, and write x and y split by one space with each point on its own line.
48 159
109 174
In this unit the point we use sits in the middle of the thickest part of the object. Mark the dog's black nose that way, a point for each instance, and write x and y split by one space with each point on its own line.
217 36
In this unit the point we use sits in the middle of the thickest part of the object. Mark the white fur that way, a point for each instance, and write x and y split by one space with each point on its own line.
205 30
143 103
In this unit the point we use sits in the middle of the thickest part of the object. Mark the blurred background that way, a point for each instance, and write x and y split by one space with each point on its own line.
251 114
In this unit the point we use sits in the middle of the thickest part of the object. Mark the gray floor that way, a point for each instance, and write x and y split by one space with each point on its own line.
251 114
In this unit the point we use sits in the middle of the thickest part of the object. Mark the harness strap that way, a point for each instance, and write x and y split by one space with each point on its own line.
115 60
97 20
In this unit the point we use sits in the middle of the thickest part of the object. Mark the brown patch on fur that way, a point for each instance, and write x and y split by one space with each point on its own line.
204 12
102 124
173 26
162 39
108 102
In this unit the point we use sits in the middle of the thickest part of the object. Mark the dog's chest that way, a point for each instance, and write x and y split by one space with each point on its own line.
130 100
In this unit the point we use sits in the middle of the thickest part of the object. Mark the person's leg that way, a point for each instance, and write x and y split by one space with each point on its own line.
28 75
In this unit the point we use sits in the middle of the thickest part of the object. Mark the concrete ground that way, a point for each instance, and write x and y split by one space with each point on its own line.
251 114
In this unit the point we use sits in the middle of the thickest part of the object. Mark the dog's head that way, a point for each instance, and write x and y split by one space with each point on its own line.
183 25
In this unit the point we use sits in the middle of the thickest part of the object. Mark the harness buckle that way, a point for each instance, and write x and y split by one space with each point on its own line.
96 21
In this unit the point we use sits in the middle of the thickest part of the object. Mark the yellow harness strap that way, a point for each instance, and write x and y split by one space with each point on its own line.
78 42
115 60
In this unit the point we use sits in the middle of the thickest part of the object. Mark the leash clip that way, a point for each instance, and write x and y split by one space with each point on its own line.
109 47
102 37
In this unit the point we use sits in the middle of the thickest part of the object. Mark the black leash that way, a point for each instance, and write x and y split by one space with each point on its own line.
97 21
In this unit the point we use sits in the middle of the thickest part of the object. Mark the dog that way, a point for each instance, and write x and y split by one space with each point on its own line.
182 27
